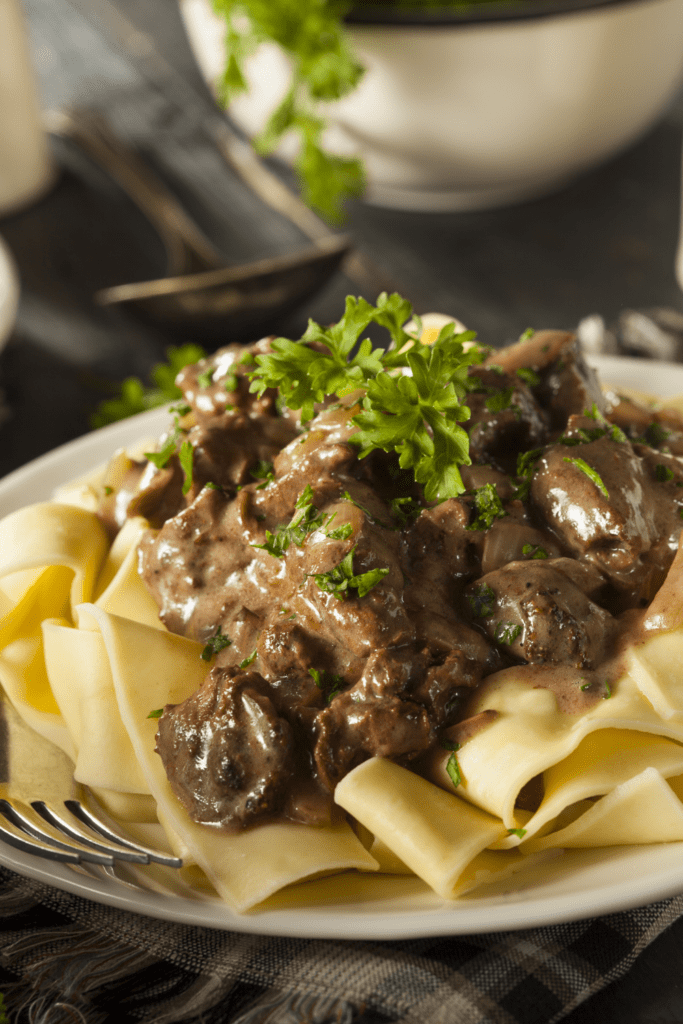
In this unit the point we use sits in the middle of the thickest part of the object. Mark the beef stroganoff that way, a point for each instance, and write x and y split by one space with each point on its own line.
406 610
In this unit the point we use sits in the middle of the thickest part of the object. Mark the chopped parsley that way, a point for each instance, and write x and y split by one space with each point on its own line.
405 509
585 686
487 506
482 601
156 714
534 551
249 659
519 832
663 473
341 532
264 472
186 458
217 643
134 396
231 383
529 376
342 579
507 632
416 416
656 434
332 684
590 473
526 467
452 766
305 520
499 400
205 378
608 691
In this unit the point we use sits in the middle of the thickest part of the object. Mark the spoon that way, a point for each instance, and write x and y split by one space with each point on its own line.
200 297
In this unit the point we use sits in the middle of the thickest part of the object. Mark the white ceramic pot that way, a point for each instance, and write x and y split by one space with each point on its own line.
467 114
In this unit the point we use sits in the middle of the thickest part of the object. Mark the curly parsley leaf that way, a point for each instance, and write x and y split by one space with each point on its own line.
311 36
217 643
341 579
487 507
305 520
416 416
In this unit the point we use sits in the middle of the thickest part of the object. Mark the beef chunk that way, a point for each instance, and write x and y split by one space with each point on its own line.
228 755
505 418
597 498
539 614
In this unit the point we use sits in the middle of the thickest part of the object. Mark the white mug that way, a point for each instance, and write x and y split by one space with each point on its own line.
26 169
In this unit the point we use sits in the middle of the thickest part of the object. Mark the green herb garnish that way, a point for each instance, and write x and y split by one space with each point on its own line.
405 510
526 467
264 472
134 396
452 766
481 601
529 376
156 714
590 473
340 580
305 520
663 473
507 632
217 643
519 832
341 532
417 416
534 551
185 458
249 659
487 507
499 400
205 378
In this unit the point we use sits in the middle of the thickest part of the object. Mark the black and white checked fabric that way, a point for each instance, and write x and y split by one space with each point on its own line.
65 960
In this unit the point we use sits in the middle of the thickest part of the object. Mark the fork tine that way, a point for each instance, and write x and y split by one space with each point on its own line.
88 818
47 845
113 850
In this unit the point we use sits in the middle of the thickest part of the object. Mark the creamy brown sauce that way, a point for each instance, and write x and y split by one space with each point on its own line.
339 629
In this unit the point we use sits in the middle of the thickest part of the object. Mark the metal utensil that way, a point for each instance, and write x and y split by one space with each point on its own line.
82 839
200 297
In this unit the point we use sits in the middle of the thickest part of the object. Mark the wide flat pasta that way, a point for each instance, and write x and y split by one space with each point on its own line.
151 668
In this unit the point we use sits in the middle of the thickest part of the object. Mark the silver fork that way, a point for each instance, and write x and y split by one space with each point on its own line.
78 840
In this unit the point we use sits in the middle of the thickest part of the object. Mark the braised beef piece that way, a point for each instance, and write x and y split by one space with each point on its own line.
600 500
505 418
565 384
228 755
538 614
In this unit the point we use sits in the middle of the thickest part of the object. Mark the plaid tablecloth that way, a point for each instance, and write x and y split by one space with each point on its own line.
65 960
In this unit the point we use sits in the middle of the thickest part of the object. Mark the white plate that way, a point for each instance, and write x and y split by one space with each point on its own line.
579 884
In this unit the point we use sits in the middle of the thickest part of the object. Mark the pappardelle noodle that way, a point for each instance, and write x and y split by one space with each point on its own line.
406 610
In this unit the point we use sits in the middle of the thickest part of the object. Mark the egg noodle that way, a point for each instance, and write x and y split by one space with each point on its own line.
84 658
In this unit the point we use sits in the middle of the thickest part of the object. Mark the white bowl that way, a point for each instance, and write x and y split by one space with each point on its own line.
480 110
9 293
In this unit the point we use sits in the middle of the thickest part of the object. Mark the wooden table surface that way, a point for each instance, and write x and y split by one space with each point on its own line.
603 244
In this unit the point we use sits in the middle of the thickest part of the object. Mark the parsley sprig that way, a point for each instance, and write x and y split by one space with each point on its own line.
416 416
341 579
305 520
135 396
312 37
